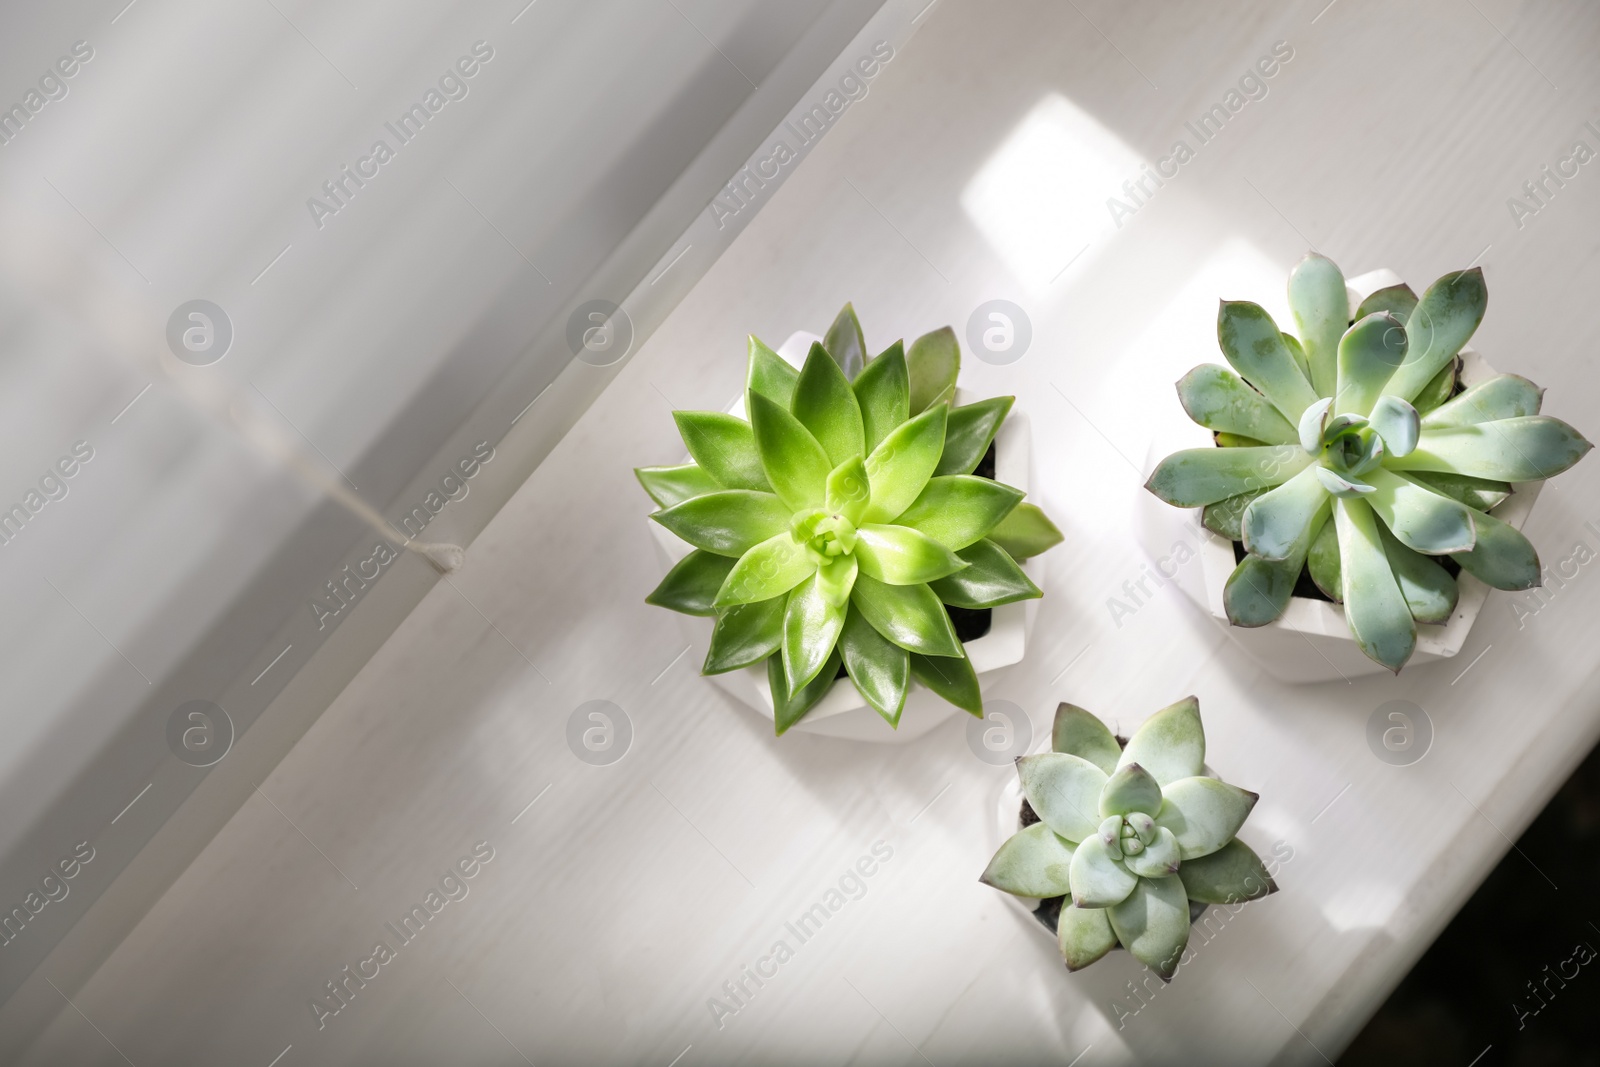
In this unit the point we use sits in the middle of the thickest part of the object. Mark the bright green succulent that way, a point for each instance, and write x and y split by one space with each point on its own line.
839 520
1132 834
1354 453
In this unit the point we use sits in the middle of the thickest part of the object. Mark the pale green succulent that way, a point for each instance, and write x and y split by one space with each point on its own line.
1355 454
1132 834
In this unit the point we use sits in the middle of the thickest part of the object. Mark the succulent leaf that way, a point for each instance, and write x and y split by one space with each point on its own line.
1297 350
1232 874
724 447
1224 518
1099 878
909 615
691 585
1439 388
933 361
1195 477
1397 423
901 555
1321 308
1254 347
1398 300
1258 590
1153 923
1025 532
1374 607
844 342
796 464
990 579
1170 745
1065 792
673 485
952 678
879 668
1313 424
848 491
1130 789
789 707
883 392
1323 560
1423 520
969 432
768 569
1078 733
1480 494
1505 396
1443 320
1219 400
1502 558
1033 862
1525 449
957 510
1369 354
1430 591
1340 486
826 405
1203 813
745 635
811 625
728 522
1275 523
1085 935
1158 859
899 468
770 375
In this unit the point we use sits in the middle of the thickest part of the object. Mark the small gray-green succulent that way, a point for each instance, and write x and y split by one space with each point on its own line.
1355 454
1132 834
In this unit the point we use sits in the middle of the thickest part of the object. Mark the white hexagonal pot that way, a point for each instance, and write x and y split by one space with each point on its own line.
1310 641
843 713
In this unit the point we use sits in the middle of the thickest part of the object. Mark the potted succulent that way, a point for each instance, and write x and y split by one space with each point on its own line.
1366 477
849 518
1125 842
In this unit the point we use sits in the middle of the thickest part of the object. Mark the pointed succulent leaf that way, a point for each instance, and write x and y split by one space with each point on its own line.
959 509
1130 789
969 432
1321 308
745 634
1233 440
1397 423
1423 520
1502 557
1505 396
933 361
899 468
1439 388
909 615
1098 876
1255 348
826 405
1257 592
1374 608
768 569
1275 523
673 485
811 628
795 464
883 392
1078 733
770 375
1025 532
1110 831
950 678
1369 354
1170 745
1143 827
900 555
789 707
1313 422
1340 486
728 522
1033 862
1232 874
879 668
1526 449
990 579
1195 477
1323 560
1084 934
1219 400
845 343
848 491
724 447
691 585
836 578
1225 517
1443 320
1480 494
1153 923
1157 859
1298 351
1203 813
1398 300
1429 589
1065 792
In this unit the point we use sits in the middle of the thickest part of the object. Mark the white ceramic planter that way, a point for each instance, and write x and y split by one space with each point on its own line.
842 713
1310 642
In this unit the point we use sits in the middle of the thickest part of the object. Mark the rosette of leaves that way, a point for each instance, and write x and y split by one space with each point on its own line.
1354 453
834 524
1131 835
